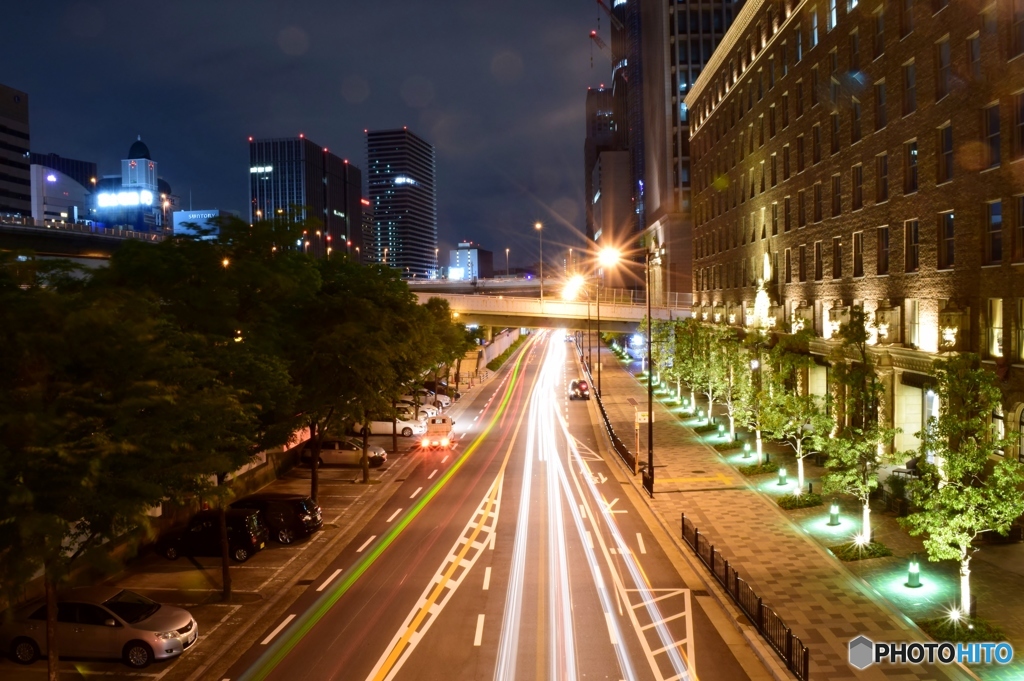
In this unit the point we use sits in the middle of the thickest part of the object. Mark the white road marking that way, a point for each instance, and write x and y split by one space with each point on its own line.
366 543
277 631
478 637
640 540
431 476
494 537
445 458
394 515
590 539
487 578
418 490
611 629
583 512
328 580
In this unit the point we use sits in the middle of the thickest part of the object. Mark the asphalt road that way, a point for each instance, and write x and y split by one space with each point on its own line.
516 556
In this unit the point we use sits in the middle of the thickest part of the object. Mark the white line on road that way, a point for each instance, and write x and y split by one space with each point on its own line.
445 458
487 578
431 476
478 637
640 540
394 515
494 537
328 580
366 543
583 512
611 629
277 631
418 490
590 539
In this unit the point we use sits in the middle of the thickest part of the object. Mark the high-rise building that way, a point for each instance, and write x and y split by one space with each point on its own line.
470 261
400 180
295 179
15 180
82 172
856 155
602 135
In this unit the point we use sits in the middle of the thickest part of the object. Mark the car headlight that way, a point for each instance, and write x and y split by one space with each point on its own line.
426 442
444 442
166 635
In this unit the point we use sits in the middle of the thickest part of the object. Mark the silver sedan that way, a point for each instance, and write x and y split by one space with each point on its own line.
102 622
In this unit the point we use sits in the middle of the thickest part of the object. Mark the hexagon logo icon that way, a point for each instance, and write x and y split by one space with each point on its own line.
862 652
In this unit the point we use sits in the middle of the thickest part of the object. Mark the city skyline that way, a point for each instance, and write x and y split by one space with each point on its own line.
489 189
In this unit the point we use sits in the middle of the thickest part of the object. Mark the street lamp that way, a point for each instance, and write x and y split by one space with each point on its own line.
385 255
540 235
435 261
573 286
607 257
506 262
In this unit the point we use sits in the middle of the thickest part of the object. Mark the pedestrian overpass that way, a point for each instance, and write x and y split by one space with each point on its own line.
620 312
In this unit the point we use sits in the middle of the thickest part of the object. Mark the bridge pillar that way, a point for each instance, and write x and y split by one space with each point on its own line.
488 333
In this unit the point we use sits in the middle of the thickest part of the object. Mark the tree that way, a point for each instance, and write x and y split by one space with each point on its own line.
857 448
966 486
707 369
787 411
105 411
735 386
687 340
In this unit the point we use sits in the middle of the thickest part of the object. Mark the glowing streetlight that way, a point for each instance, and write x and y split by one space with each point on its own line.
540 235
225 262
913 573
833 514
609 257
506 262
572 287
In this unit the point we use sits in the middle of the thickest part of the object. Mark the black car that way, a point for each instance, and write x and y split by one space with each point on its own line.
579 390
442 388
246 535
287 516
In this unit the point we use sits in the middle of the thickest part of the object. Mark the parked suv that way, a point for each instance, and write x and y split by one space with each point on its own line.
101 622
579 390
246 535
287 516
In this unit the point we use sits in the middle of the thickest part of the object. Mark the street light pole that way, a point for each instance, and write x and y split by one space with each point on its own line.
506 262
540 234
599 333
650 381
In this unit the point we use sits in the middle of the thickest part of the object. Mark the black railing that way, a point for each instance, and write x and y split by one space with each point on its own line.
768 623
617 444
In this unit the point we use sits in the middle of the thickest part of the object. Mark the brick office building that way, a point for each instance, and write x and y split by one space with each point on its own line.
873 150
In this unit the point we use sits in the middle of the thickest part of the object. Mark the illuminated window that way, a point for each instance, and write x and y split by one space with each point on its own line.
995 327
858 254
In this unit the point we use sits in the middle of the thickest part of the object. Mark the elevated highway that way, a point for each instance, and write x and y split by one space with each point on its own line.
617 316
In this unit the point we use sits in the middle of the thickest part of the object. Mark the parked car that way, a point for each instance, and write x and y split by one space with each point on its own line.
406 413
346 452
286 516
579 390
405 428
201 537
407 403
101 622
442 388
426 396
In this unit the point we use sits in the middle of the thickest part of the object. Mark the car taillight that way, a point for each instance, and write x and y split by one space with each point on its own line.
253 540
583 386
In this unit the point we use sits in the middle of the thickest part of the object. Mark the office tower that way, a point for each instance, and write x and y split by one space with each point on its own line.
469 261
294 179
15 181
869 155
603 135
403 198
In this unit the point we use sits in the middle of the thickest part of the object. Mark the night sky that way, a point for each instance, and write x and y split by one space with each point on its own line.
498 87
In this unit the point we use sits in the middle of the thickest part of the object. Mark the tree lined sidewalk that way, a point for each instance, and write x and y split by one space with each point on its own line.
824 604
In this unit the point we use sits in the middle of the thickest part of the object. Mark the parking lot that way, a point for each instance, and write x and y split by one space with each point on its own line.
257 584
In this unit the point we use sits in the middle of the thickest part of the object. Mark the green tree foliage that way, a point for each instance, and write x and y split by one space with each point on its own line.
966 487
736 389
858 447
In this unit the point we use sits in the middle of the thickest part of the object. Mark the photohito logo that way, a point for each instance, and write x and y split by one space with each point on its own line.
864 652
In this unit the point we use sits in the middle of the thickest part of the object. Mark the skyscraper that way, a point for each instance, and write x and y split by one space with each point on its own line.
296 179
15 182
404 201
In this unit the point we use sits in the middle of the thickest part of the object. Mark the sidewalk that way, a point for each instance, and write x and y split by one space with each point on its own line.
824 604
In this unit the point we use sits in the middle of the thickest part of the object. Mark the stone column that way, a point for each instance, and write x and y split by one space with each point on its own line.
887 394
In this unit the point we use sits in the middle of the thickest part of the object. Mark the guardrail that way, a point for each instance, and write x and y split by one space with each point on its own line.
79 228
628 457
771 627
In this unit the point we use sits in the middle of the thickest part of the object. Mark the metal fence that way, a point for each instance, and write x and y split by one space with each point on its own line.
80 228
768 623
617 444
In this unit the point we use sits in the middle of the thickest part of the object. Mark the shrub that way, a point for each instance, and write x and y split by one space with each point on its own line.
851 551
727 446
794 501
966 630
759 469
706 428
496 363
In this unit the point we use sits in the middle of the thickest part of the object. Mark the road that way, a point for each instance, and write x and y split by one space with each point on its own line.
516 556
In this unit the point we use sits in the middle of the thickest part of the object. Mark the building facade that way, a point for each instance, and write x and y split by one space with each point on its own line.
870 154
603 135
57 197
469 261
204 219
82 172
295 179
15 180
137 199
400 181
